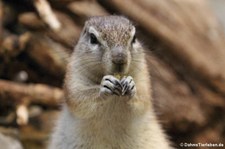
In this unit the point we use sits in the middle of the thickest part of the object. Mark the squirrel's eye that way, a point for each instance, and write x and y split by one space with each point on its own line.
93 39
134 39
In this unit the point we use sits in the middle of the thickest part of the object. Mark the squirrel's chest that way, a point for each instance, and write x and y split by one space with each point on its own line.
115 106
110 128
108 137
113 129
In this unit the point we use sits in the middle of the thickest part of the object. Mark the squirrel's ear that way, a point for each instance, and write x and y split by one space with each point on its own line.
133 31
133 36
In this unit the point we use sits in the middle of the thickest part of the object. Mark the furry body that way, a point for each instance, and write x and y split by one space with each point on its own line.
97 115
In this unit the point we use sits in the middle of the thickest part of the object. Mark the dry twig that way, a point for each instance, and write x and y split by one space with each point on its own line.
34 93
47 14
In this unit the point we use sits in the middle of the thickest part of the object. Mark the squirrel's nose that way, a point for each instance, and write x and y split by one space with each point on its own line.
119 56
119 59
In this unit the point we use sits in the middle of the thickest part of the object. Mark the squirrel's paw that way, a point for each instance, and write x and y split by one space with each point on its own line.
129 88
110 86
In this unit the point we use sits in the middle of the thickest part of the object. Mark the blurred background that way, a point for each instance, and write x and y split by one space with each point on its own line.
185 47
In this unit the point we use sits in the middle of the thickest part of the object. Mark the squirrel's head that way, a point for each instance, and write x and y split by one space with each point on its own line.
108 43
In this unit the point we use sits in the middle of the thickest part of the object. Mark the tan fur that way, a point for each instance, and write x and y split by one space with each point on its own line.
91 121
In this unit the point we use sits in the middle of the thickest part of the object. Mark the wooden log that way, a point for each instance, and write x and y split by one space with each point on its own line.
9 14
86 9
12 44
61 3
172 94
49 55
31 21
34 93
36 132
13 132
1 20
22 114
67 35
46 14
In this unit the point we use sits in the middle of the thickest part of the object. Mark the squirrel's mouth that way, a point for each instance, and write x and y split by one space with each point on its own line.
120 69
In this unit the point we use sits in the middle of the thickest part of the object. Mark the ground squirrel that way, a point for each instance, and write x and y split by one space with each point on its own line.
108 96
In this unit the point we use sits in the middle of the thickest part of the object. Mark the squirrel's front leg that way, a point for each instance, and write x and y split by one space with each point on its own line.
90 97
136 97
110 86
128 87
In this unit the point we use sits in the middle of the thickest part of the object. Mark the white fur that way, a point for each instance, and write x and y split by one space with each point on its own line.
108 130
